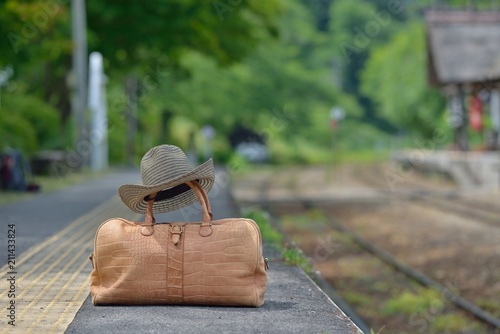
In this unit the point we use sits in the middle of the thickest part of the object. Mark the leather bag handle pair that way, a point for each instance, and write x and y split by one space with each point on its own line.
206 225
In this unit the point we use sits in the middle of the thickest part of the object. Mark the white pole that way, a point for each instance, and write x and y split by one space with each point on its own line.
98 111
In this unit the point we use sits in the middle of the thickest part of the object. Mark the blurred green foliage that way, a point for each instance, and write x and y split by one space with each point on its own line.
131 33
276 67
136 38
395 79
281 91
28 123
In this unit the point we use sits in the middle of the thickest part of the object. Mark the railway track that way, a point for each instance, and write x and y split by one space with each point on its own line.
449 201
369 247
408 271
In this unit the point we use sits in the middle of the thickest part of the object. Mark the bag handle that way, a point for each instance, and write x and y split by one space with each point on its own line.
202 198
206 225
207 216
149 220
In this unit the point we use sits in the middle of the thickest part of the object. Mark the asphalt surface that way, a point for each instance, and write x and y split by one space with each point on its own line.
293 303
44 214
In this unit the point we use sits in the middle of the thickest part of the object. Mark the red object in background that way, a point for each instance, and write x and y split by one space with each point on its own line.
476 113
334 124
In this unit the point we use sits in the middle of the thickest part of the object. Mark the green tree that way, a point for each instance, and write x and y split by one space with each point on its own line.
136 37
282 90
395 78
356 27
28 123
36 41
133 33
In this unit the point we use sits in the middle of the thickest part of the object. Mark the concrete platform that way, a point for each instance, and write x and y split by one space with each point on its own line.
467 169
56 298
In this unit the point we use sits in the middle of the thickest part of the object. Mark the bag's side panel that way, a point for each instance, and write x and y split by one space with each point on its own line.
130 268
220 269
260 274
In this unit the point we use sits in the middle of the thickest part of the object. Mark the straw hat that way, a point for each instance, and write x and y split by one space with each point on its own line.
164 170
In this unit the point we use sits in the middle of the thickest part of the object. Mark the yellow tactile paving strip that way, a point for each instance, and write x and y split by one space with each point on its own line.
53 277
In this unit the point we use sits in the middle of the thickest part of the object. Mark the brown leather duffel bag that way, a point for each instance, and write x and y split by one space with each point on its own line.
213 262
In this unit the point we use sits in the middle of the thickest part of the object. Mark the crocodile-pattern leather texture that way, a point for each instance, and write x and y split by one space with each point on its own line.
224 268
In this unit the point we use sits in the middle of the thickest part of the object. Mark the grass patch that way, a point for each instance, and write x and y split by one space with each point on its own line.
362 156
274 238
414 303
357 299
268 232
297 258
490 305
313 217
455 323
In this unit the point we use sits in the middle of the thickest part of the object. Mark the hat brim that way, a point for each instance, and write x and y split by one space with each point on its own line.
133 194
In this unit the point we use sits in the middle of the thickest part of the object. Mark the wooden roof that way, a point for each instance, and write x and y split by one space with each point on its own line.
463 47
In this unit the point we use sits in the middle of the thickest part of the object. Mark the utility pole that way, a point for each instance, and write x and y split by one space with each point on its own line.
79 100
